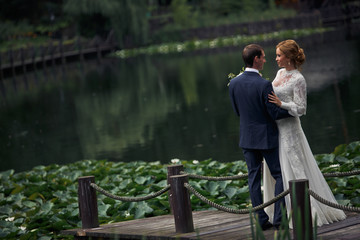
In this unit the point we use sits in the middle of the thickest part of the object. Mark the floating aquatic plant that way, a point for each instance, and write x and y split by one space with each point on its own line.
237 40
38 204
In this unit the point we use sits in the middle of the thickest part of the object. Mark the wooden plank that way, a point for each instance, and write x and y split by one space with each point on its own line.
209 225
240 232
349 221
352 232
219 228
203 221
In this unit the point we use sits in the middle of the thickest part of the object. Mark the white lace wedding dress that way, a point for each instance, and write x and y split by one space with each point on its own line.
296 158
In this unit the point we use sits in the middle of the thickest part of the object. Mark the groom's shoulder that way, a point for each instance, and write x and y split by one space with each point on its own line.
252 77
247 75
237 79
257 79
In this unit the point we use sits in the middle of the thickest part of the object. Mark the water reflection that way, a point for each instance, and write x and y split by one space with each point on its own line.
163 107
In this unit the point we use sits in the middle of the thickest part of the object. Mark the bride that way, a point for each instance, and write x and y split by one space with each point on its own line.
296 158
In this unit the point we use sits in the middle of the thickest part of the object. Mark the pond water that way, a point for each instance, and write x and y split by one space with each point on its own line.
156 108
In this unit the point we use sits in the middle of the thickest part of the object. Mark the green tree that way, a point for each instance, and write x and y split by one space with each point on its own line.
29 18
228 7
182 13
32 11
126 17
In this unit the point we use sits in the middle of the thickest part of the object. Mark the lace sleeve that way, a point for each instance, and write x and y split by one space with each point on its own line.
297 107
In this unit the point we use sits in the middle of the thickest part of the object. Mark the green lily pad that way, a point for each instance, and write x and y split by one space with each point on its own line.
212 187
142 208
230 192
141 180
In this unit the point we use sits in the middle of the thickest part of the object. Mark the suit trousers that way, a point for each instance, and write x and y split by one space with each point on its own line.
254 158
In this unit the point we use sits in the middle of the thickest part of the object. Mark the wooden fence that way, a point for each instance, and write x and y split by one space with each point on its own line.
54 52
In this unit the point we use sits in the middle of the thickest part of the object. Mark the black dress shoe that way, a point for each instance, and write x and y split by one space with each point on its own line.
276 227
266 226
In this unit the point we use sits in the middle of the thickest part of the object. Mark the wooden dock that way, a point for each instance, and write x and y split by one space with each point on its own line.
209 225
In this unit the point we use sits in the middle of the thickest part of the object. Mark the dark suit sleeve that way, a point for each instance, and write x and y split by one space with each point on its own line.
233 99
274 111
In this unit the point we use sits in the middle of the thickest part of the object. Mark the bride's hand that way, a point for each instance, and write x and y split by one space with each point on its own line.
274 99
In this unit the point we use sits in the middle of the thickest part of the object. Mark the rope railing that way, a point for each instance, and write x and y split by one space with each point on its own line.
179 190
211 178
231 210
241 176
264 205
342 174
218 206
332 204
224 208
129 199
243 211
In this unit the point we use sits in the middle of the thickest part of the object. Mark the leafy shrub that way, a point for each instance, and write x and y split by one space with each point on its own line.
40 203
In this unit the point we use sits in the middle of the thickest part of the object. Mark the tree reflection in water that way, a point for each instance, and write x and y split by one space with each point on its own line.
155 108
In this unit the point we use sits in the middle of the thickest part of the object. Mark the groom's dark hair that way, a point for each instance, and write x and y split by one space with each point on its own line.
249 53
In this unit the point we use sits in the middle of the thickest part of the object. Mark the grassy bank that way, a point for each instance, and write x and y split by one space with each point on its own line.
231 41
39 203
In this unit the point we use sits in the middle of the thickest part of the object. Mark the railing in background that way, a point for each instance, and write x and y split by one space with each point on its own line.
54 52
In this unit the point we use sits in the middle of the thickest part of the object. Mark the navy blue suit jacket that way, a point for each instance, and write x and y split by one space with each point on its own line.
249 98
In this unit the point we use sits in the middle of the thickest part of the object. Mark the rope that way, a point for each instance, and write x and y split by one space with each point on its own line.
235 177
331 204
220 207
130 199
231 210
342 174
215 178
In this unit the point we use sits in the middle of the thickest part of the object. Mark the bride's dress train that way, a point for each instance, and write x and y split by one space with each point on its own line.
296 158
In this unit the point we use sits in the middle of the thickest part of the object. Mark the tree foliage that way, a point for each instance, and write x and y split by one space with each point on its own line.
229 7
32 11
126 17
182 13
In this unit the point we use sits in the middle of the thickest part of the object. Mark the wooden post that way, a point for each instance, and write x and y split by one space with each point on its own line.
61 48
33 55
1 71
301 209
11 60
52 48
98 51
22 56
43 60
87 202
81 54
172 171
181 204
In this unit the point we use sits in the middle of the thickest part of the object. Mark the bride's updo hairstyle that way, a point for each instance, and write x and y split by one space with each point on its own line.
292 51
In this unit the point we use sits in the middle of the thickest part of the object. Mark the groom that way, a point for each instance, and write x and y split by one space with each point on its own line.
258 130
